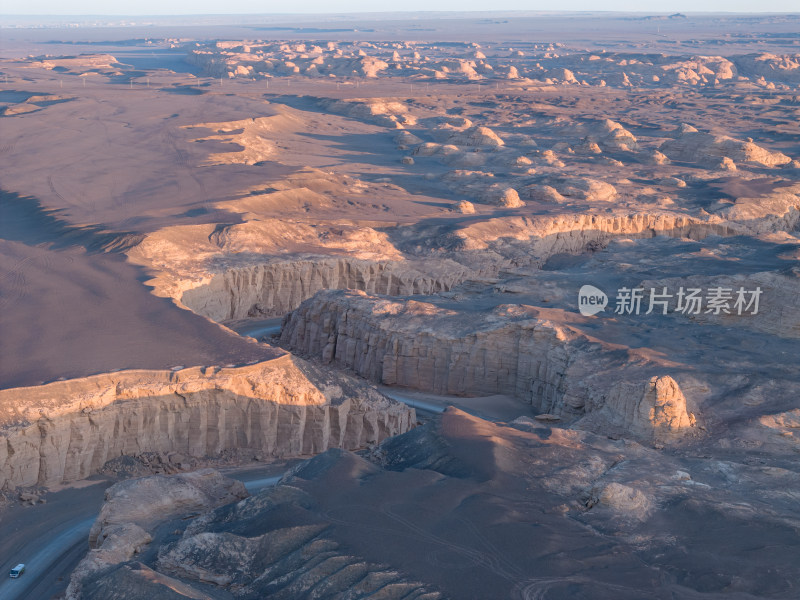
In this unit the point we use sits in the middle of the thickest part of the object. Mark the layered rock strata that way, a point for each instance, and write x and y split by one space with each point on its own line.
66 431
528 353
274 288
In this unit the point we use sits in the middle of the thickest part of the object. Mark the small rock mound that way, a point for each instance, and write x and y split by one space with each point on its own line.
465 207
505 197
707 149
611 135
629 501
544 193
476 137
658 158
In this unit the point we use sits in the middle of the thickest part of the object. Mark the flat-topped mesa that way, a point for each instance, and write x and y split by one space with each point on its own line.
266 267
238 278
532 354
778 68
253 135
82 63
66 431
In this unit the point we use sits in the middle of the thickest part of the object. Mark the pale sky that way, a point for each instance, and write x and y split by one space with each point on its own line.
195 7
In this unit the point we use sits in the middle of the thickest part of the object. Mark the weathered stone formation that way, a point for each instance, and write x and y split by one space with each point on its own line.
67 430
273 289
134 508
654 410
417 345
704 148
236 544
528 353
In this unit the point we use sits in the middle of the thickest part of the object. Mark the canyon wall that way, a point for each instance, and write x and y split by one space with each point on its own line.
416 345
274 288
532 354
66 431
233 282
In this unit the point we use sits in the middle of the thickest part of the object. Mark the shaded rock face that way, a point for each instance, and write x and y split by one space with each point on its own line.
270 545
414 344
516 351
68 430
274 289
129 518
465 508
260 558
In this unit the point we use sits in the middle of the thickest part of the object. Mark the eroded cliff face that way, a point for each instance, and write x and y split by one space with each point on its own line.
417 345
66 431
529 353
274 288
271 288
532 240
265 267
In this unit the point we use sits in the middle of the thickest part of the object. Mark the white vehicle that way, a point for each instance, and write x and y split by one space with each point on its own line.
17 571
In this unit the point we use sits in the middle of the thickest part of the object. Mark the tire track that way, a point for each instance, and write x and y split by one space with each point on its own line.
13 282
53 189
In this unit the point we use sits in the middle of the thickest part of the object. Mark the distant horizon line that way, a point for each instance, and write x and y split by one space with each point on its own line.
403 12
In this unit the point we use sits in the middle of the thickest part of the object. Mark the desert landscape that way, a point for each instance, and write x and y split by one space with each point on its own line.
407 306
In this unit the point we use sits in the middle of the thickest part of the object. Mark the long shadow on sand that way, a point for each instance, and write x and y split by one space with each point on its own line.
23 219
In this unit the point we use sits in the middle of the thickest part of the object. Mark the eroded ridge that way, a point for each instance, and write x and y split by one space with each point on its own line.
68 430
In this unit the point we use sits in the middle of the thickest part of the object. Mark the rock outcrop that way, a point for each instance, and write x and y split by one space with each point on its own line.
461 494
707 149
383 111
476 137
653 410
581 188
538 238
275 288
66 431
528 353
236 546
134 508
